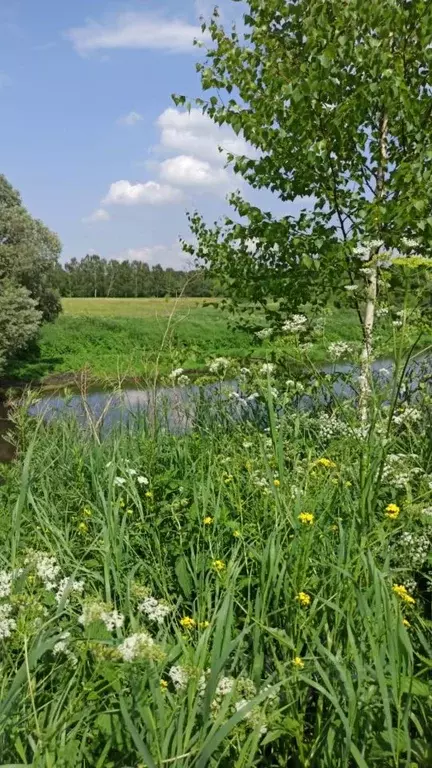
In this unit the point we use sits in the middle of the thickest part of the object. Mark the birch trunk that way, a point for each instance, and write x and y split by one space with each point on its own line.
371 290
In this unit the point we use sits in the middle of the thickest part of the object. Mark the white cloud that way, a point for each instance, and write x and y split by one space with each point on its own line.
150 193
166 255
186 170
195 133
100 214
130 119
134 30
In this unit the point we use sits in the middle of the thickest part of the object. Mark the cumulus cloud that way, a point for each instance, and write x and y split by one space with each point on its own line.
134 30
149 193
166 255
195 133
186 170
100 214
130 119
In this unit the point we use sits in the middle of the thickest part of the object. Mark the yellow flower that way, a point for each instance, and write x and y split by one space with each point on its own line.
228 479
307 518
204 624
304 599
406 623
129 512
236 534
334 528
187 622
208 520
348 484
122 503
298 662
86 512
401 592
149 494
83 528
163 685
392 511
327 463
276 483
219 565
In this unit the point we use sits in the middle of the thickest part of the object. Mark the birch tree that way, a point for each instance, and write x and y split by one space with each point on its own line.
334 100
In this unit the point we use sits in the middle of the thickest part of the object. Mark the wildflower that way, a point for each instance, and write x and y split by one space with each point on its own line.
140 646
296 324
326 463
142 480
402 592
208 520
267 368
264 333
225 686
392 511
351 288
87 512
179 677
132 472
219 565
155 610
348 484
68 586
298 662
307 518
276 483
176 373
129 512
119 481
304 599
7 625
236 534
187 622
406 623
334 528
339 349
149 494
83 528
46 567
163 685
5 583
219 365
204 624
97 611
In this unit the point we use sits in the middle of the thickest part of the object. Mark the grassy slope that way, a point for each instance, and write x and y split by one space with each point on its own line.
134 337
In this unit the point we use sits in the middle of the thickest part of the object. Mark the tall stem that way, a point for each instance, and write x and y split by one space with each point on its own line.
371 288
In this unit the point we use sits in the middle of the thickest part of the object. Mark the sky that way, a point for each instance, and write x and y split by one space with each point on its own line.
89 134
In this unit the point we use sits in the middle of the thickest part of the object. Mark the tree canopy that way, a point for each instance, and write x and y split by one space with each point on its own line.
29 253
334 99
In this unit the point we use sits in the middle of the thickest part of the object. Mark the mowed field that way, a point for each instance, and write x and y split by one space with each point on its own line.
148 308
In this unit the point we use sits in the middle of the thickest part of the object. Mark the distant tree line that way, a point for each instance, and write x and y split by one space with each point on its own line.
98 277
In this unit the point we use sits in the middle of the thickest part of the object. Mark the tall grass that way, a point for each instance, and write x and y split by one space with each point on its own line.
273 558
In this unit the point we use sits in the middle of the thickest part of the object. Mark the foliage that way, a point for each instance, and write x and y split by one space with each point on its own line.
236 596
28 255
334 102
97 277
19 319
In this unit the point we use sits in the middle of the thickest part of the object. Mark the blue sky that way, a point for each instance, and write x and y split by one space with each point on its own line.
88 132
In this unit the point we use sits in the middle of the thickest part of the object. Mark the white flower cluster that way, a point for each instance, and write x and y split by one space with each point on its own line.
267 368
397 470
62 647
427 511
137 646
179 377
407 415
381 311
297 386
176 373
409 243
364 251
264 333
179 676
67 587
296 324
7 624
5 583
45 567
95 611
225 686
415 548
329 425
155 610
339 348
219 365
